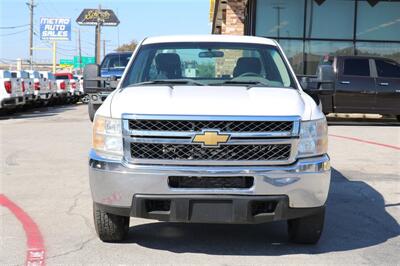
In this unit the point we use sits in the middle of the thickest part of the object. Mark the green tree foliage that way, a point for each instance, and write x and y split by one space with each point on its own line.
206 70
127 47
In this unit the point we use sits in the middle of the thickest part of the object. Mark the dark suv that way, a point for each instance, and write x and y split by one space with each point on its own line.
364 85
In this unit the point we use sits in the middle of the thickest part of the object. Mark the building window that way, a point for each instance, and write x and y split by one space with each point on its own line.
315 50
332 19
379 22
280 18
294 51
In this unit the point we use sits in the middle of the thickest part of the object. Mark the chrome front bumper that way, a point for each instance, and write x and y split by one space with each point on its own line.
114 183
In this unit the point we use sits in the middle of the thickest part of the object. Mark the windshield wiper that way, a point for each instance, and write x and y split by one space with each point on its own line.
168 82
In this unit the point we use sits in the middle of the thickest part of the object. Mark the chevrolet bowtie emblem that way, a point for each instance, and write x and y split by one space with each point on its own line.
209 138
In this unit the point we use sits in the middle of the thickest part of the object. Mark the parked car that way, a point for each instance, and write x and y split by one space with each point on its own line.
42 91
112 68
85 97
49 78
238 142
62 88
364 85
27 85
11 91
73 90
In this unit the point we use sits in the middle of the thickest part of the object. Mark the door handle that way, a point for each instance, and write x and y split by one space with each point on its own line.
384 84
367 92
345 82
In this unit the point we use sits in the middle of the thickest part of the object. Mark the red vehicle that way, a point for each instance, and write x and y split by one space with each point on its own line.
73 90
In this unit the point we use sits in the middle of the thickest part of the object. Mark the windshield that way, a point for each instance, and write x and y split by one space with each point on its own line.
210 64
116 61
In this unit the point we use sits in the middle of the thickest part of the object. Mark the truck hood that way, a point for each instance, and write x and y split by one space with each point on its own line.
209 100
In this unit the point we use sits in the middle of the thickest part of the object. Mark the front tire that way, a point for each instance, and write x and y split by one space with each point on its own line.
91 111
110 227
307 230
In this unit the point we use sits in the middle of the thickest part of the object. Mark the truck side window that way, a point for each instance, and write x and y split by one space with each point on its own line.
387 69
356 67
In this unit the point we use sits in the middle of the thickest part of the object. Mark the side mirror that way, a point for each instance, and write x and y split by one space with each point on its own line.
322 84
91 73
326 78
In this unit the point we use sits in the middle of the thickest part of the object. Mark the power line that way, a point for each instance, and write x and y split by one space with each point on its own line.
14 27
17 32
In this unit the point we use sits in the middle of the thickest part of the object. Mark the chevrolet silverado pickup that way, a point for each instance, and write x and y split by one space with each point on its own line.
364 85
210 129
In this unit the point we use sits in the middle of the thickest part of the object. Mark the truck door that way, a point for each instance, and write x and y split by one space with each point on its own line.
355 87
387 87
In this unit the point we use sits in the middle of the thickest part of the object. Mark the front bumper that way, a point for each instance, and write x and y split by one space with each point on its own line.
117 185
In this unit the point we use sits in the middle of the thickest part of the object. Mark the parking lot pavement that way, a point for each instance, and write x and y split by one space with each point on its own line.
44 172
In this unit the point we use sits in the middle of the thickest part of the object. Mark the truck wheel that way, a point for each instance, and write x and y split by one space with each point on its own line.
307 230
85 99
92 111
398 117
110 227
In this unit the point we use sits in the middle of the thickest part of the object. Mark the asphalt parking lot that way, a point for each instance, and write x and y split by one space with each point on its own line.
44 173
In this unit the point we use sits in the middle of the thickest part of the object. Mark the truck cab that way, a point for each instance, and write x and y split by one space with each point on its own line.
112 67
210 129
364 85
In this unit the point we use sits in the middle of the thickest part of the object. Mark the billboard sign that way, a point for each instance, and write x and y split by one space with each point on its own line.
104 17
55 29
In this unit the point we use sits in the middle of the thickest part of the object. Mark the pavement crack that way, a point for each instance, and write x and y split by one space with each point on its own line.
71 213
81 247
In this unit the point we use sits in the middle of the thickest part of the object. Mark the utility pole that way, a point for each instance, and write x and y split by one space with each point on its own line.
98 34
31 6
104 47
80 50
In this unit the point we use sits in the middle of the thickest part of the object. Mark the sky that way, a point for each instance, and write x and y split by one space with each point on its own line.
139 19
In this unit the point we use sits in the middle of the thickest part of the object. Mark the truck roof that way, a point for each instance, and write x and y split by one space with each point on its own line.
209 38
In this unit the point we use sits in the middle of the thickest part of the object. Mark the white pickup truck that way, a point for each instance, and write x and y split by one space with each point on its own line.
42 91
210 129
11 92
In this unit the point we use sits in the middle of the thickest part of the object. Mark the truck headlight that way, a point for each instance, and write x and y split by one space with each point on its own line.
313 138
107 137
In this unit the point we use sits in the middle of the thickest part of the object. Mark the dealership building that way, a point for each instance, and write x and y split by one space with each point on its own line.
309 29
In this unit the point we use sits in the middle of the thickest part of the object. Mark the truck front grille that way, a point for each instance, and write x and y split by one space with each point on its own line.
255 152
186 139
226 126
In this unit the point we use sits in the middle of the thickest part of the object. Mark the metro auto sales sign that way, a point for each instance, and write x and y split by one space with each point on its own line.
55 29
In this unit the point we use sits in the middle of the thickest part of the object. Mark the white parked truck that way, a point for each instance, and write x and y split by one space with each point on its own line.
210 129
50 81
27 85
42 91
11 92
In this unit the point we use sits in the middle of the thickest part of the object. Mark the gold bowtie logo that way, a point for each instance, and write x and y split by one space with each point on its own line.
211 138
